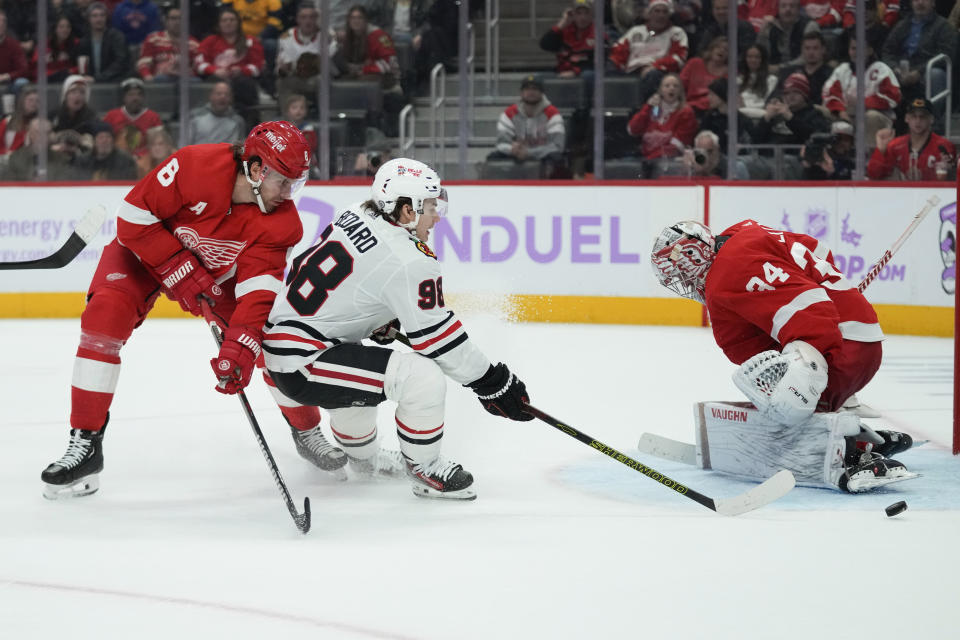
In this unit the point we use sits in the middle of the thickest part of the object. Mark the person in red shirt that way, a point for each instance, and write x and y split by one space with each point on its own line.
572 39
216 221
921 154
804 336
665 125
698 73
160 54
13 128
133 120
367 51
61 52
13 62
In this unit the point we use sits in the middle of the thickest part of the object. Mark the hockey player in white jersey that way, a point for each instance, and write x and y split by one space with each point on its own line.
371 273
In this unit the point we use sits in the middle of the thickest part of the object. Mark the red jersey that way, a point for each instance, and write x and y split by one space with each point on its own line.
16 138
756 12
912 166
186 202
381 53
663 137
131 133
574 46
767 288
696 79
216 53
160 53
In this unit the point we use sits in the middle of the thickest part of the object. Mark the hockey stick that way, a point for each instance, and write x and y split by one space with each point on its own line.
82 234
774 487
301 520
888 254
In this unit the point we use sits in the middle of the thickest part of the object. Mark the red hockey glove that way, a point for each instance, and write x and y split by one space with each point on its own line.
502 393
184 278
238 355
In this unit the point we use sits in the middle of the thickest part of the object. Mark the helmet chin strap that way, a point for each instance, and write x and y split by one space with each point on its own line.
255 185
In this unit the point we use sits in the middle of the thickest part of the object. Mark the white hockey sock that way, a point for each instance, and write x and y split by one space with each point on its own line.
419 388
355 429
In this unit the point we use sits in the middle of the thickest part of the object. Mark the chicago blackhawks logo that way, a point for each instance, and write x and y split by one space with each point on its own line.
212 252
425 250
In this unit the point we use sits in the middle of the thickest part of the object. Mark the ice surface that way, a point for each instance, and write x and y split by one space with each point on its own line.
188 537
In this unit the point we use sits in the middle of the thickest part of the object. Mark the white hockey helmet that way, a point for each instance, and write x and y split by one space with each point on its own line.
682 254
403 177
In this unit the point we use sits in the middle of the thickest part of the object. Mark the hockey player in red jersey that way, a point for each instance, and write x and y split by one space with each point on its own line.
806 340
214 220
371 274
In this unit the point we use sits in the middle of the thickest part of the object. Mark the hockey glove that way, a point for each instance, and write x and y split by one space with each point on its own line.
238 356
184 278
502 393
387 333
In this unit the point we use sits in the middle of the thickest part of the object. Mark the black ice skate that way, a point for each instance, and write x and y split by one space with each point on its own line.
313 446
75 474
894 442
441 478
872 470
387 463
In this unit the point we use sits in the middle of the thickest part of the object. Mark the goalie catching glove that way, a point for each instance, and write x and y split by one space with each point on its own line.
184 279
784 386
238 356
502 393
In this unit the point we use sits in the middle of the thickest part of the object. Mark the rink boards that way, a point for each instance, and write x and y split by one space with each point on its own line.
569 252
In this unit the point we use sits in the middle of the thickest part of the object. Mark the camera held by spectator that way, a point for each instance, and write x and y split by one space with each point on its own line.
829 156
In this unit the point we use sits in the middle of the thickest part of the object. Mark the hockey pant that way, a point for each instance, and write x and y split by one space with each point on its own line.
733 438
851 368
350 380
121 295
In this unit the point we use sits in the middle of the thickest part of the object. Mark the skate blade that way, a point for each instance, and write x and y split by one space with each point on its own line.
340 475
82 487
873 483
426 492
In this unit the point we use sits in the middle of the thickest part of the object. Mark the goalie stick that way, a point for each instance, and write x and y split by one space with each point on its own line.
888 254
301 520
82 234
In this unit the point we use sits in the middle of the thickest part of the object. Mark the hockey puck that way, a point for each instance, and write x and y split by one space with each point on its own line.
895 508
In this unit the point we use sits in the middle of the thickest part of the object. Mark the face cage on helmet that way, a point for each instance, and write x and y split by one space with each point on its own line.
686 283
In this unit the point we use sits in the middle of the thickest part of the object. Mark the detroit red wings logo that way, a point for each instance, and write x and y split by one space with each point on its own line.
214 253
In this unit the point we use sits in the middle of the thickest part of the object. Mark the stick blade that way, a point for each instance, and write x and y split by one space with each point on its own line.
91 222
654 445
303 520
773 488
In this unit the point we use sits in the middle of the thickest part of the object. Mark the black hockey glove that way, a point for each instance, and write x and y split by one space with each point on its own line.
387 333
502 393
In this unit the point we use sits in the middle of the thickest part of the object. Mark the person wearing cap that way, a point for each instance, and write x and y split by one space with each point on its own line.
921 154
105 47
572 39
532 130
105 161
133 119
881 93
652 49
792 119
160 54
699 72
74 111
714 118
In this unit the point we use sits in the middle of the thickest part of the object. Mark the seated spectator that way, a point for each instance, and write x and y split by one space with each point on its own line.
813 56
74 111
881 93
532 131
886 13
62 155
295 112
651 49
159 147
298 55
160 54
791 120
783 36
826 13
921 154
104 47
132 120
714 118
572 39
665 125
261 19
367 51
62 47
714 25
698 73
230 55
13 128
913 42
402 19
13 62
136 19
105 161
756 81
436 41
216 121
758 13
706 159
830 156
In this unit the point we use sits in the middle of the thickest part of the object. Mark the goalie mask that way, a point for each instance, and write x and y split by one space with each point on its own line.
681 257
406 178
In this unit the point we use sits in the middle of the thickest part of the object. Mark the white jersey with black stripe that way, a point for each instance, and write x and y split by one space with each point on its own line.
365 272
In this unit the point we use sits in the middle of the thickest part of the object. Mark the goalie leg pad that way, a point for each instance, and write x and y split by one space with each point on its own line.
785 386
419 388
736 439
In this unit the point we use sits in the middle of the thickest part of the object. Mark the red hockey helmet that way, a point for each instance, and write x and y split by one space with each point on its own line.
281 148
